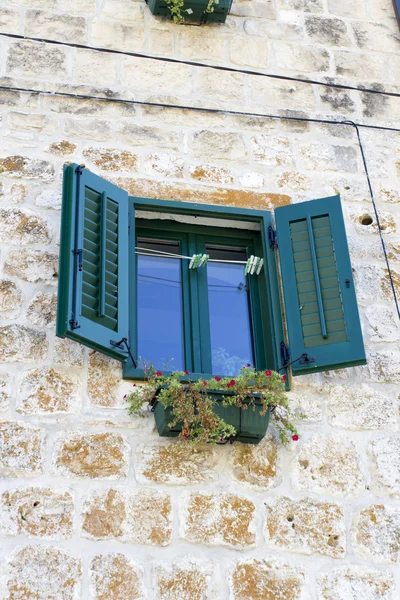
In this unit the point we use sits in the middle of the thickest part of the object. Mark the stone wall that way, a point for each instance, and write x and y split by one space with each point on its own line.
93 504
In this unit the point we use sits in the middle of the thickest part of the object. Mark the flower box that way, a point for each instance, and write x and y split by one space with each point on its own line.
251 427
194 10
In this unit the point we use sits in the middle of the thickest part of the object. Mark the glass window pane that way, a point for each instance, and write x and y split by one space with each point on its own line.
230 324
160 327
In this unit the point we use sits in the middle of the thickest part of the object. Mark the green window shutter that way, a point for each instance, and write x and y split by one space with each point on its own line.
318 288
93 275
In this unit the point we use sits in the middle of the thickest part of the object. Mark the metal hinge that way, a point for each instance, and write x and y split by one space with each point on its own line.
74 324
273 241
285 354
79 254
129 222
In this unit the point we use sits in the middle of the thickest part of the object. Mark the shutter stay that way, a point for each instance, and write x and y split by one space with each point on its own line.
120 346
304 359
77 252
316 277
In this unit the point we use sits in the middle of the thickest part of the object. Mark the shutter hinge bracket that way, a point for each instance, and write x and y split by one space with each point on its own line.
74 324
272 239
79 169
305 359
285 354
120 346
79 254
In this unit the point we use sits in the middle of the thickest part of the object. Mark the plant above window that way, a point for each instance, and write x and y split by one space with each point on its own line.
204 11
217 410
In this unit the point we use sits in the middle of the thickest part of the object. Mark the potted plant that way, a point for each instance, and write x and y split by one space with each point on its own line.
191 10
217 410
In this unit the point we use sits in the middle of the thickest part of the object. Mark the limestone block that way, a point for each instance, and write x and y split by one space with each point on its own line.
116 577
336 100
42 310
256 466
5 391
219 145
306 402
219 519
382 323
104 378
360 67
303 59
150 76
256 579
61 148
22 227
211 174
361 407
199 45
327 31
248 52
22 344
49 199
264 9
89 129
43 572
383 366
46 391
385 283
294 181
138 135
221 86
21 450
389 195
111 159
139 516
188 578
68 353
275 30
32 265
272 151
122 9
309 6
385 466
175 463
10 299
51 4
164 164
161 41
33 59
85 7
94 68
34 122
306 526
369 282
52 26
9 20
359 215
252 179
281 94
376 533
17 193
375 37
37 512
354 582
328 464
321 157
354 9
27 168
91 456
87 107
111 34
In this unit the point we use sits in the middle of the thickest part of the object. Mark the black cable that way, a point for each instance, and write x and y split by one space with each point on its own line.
201 65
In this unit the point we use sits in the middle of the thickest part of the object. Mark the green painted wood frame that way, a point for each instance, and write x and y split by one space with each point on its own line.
272 325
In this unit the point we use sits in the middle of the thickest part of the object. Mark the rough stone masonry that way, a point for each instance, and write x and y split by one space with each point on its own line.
93 504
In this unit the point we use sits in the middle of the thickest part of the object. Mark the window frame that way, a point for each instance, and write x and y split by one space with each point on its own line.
269 294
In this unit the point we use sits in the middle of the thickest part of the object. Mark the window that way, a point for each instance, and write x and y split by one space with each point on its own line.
125 282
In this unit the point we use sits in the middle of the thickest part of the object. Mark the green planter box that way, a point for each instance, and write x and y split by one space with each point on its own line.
198 8
250 425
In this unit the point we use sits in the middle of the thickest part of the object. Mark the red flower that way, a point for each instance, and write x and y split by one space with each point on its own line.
231 383
248 365
204 383
133 384
186 372
283 378
295 438
268 373
124 396
159 373
217 378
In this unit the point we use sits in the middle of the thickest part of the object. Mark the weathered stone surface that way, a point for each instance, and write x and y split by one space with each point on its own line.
104 378
112 159
362 67
327 31
252 179
140 135
293 180
43 572
22 344
219 145
307 402
306 526
188 578
212 174
375 37
361 407
220 86
272 151
256 465
311 6
248 52
68 353
42 310
390 196
175 463
382 323
329 158
354 582
89 129
376 534
32 265
54 26
62 148
37 512
383 366
219 519
153 76
5 390
32 122
28 168
17 193
385 466
337 100
49 199
121 36
21 450
10 299
46 391
369 282
86 7
37 59
9 20
120 9
22 227
164 164
267 579
91 455
304 59
116 577
328 464
387 220
94 68
139 516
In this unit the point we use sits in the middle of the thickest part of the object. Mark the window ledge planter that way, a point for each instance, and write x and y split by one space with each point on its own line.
203 11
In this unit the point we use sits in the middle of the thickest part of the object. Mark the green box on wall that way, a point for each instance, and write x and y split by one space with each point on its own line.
198 8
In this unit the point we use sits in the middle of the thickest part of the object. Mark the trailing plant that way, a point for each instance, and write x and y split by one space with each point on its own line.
177 9
192 405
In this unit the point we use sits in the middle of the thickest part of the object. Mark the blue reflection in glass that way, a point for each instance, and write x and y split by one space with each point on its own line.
160 329
230 326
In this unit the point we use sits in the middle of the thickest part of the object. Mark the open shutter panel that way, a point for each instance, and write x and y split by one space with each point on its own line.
93 284
318 288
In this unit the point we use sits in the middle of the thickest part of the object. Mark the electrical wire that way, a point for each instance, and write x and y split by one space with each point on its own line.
180 61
